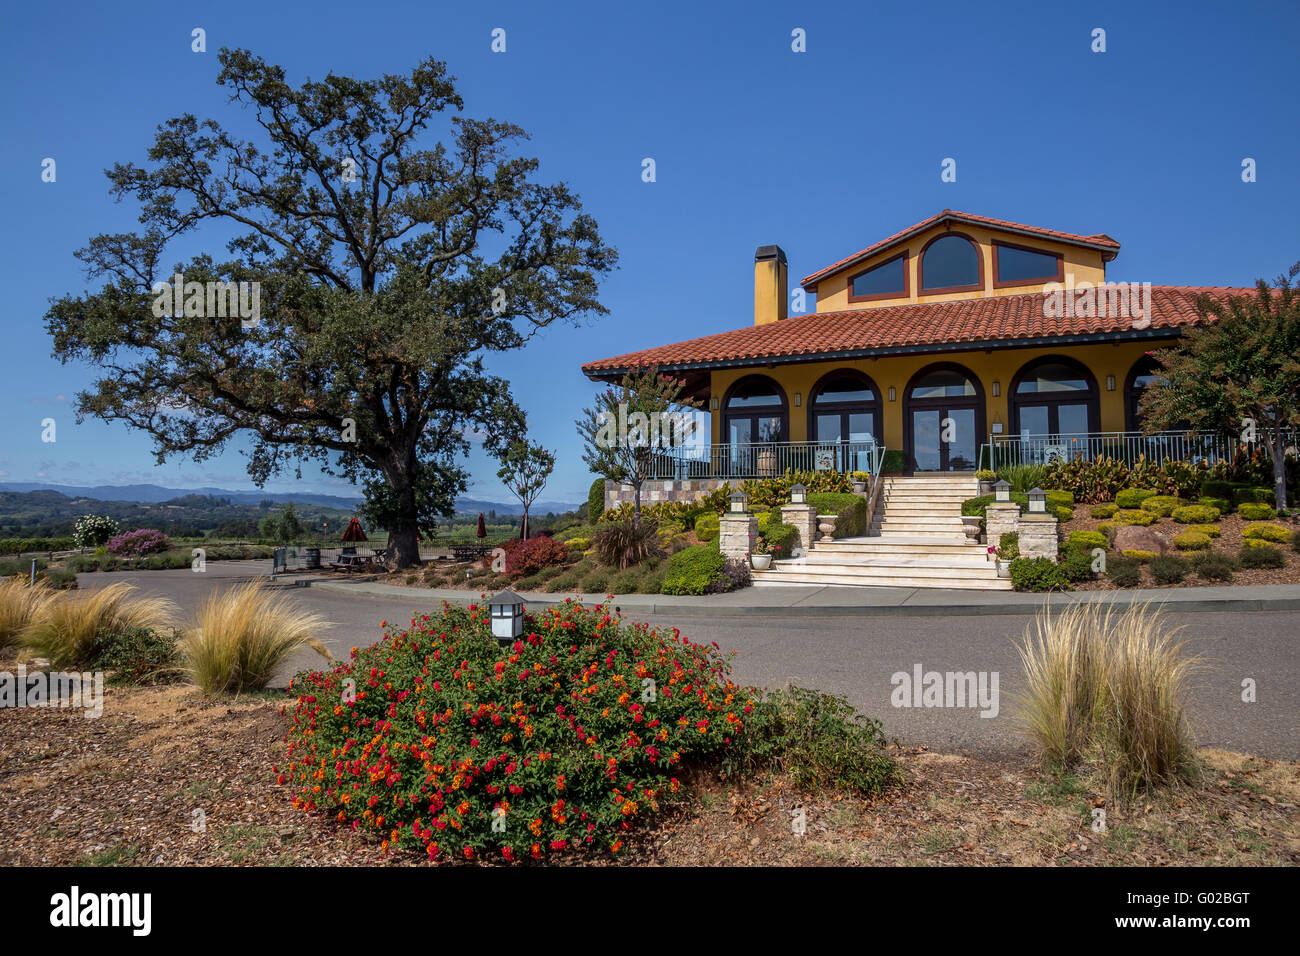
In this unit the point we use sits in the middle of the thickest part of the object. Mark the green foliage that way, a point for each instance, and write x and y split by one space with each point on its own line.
1090 481
621 544
1138 516
1009 546
893 462
1169 568
1131 498
1216 488
1038 574
1124 572
694 570
818 740
525 469
985 474
1261 555
1195 514
1063 513
781 539
1213 566
1211 529
1138 555
1108 528
1076 565
706 527
1222 505
92 531
283 527
1252 511
596 500
851 509
1266 532
137 655
23 545
1087 540
1022 478
1242 495
1103 511
1162 505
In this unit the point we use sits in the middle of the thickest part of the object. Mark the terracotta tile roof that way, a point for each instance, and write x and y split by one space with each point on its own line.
993 322
1097 241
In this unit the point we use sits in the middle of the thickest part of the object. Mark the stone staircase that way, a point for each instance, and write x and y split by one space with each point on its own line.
916 540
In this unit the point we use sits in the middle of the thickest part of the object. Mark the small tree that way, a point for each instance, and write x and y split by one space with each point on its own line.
282 527
1240 372
628 424
524 470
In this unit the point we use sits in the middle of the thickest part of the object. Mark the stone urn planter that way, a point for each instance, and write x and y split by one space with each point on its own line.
859 487
826 525
971 525
1004 567
761 562
986 487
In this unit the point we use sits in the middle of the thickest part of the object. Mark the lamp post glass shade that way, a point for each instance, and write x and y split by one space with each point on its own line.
798 494
507 610
738 502
1037 500
1002 490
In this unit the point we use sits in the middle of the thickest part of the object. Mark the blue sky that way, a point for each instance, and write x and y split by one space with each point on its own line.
822 152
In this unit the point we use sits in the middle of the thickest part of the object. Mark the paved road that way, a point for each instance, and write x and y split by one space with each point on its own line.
857 658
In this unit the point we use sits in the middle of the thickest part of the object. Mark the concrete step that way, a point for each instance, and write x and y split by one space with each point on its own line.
874 544
889 524
895 511
984 571
911 559
895 578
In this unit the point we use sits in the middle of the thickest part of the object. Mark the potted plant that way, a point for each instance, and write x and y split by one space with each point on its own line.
859 479
986 479
761 556
1005 553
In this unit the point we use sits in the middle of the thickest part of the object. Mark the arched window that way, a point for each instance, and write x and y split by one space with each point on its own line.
1054 395
1144 371
844 409
951 263
754 413
943 418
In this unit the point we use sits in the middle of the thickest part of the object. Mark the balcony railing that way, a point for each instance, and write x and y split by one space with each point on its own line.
1210 446
766 459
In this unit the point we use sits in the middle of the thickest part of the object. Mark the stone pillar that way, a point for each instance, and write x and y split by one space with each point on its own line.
1038 536
804 519
1000 517
736 534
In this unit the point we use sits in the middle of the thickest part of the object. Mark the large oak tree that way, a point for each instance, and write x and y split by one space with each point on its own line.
389 269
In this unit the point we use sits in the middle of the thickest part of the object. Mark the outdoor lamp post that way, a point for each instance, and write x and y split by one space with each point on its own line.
1037 500
798 495
1002 490
738 502
507 610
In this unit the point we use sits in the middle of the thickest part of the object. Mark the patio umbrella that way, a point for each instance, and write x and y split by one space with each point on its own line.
353 533
482 527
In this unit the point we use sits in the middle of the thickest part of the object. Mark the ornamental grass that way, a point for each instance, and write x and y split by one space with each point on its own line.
65 629
20 602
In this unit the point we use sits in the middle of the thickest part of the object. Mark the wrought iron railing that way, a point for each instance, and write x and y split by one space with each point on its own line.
766 459
1042 449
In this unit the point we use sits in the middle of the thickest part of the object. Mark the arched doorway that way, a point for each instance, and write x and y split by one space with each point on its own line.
943 418
844 410
1055 396
1144 371
754 412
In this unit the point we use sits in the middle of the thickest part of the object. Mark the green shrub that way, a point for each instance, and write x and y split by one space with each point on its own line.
138 655
1253 495
1213 566
1087 540
596 500
693 570
851 509
706 527
816 740
1104 511
1169 568
1262 555
1191 541
764 519
578 544
596 581
621 544
1211 529
977 506
1076 565
1221 505
58 578
1213 488
1124 572
1162 505
1022 478
23 545
1037 574
1266 532
781 539
1138 516
1195 514
1295 541
1063 513
1108 528
1133 497
1253 511
1138 555
474 737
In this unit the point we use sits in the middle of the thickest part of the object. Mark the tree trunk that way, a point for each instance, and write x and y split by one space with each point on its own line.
406 544
1279 468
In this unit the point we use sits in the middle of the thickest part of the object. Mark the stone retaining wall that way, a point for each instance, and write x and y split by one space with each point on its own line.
665 489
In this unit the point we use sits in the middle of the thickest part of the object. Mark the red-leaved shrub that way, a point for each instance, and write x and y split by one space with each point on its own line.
529 557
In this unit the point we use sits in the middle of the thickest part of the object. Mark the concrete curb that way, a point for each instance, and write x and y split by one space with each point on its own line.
898 602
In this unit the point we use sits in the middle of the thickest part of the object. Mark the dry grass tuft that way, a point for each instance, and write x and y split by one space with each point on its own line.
65 628
19 604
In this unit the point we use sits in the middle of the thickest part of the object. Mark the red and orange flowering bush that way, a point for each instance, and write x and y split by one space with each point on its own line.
440 740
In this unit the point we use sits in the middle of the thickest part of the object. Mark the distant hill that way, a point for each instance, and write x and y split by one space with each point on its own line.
156 494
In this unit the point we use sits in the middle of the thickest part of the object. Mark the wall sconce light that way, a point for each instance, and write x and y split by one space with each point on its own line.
892 394
997 388
713 404
1110 383
798 399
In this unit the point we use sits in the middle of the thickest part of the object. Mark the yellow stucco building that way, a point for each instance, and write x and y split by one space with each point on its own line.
954 334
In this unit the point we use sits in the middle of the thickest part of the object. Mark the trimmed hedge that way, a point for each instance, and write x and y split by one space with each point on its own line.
702 569
1223 505
1104 511
1087 540
1196 514
1136 516
851 509
1038 574
20 545
1192 541
1211 529
1213 488
1137 554
1256 495
782 536
1253 511
1266 532
1133 497
1162 505
596 500
706 527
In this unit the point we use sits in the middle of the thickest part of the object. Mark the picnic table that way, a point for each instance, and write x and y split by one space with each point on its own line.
352 562
469 552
